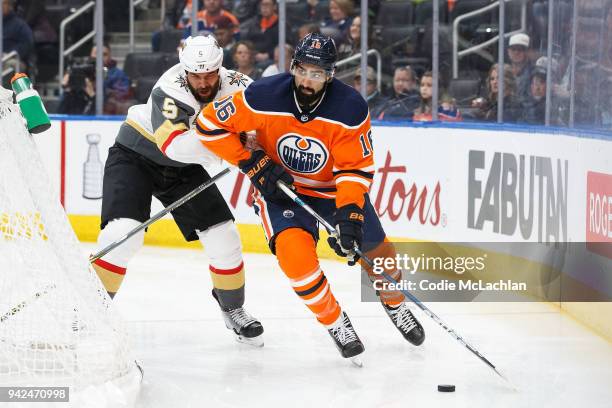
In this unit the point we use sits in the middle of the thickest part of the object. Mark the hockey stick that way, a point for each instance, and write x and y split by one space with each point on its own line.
332 232
159 215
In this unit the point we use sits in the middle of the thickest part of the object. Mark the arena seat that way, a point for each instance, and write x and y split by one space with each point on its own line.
395 13
144 64
464 90
144 86
423 13
170 40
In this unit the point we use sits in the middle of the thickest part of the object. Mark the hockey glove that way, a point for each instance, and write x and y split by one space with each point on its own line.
264 174
349 224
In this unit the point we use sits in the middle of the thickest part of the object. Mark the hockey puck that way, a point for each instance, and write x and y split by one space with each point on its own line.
446 388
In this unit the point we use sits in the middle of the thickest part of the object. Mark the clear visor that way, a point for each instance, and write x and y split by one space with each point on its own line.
316 75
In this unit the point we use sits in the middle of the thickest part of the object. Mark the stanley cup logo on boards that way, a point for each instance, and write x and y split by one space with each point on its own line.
93 169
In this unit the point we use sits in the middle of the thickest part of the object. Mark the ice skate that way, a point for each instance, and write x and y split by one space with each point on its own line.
346 339
406 323
246 328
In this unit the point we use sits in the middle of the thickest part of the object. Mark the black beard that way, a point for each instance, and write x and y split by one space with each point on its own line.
305 100
202 99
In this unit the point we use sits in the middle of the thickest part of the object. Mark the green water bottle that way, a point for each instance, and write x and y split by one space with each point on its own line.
30 103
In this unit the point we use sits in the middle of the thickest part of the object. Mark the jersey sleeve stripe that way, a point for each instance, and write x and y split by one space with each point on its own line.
206 132
369 169
367 175
313 183
212 138
359 180
202 122
169 140
318 189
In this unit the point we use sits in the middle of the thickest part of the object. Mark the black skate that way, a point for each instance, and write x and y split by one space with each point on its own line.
406 323
247 329
346 339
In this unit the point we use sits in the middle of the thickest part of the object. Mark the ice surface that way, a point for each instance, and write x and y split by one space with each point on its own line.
191 360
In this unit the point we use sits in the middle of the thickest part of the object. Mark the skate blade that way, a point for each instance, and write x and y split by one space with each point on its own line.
357 361
251 341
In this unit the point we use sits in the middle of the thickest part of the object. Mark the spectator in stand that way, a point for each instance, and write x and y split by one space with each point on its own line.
339 21
593 96
77 99
405 98
307 29
487 107
273 68
177 16
210 17
314 13
518 48
243 54
16 34
224 33
262 31
534 110
447 111
374 98
79 88
352 43
173 14
116 82
33 12
245 9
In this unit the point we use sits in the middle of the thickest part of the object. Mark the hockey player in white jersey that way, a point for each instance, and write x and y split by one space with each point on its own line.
136 170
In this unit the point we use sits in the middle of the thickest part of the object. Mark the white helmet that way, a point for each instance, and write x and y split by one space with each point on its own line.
201 54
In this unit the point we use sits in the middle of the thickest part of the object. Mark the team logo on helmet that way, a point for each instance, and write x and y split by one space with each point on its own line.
302 154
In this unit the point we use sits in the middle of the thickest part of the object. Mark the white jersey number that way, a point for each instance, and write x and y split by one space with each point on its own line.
170 111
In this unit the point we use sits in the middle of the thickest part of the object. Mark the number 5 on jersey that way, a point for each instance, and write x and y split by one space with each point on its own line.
169 110
224 108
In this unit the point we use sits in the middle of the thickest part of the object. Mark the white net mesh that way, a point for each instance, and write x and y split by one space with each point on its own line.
57 326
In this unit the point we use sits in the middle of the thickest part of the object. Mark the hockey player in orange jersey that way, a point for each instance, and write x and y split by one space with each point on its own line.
313 132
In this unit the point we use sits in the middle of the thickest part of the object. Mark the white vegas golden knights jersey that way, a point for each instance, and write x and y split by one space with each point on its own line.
172 109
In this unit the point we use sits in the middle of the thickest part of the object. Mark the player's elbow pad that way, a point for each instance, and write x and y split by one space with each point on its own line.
187 148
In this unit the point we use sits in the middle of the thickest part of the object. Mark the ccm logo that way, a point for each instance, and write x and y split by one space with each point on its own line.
262 162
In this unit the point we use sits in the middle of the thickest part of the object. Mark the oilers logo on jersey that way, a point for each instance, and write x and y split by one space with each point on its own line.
325 154
302 154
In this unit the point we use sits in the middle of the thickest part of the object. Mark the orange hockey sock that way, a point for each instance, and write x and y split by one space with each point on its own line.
385 249
297 257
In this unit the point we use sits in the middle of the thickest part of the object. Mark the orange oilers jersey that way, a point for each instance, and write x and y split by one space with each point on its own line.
328 151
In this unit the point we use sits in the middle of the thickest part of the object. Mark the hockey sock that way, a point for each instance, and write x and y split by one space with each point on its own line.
222 245
229 286
391 298
111 268
297 257
110 275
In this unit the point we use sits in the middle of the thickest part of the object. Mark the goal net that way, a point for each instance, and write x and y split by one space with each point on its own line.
57 325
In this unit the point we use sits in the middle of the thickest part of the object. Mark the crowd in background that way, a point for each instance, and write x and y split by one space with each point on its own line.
247 30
